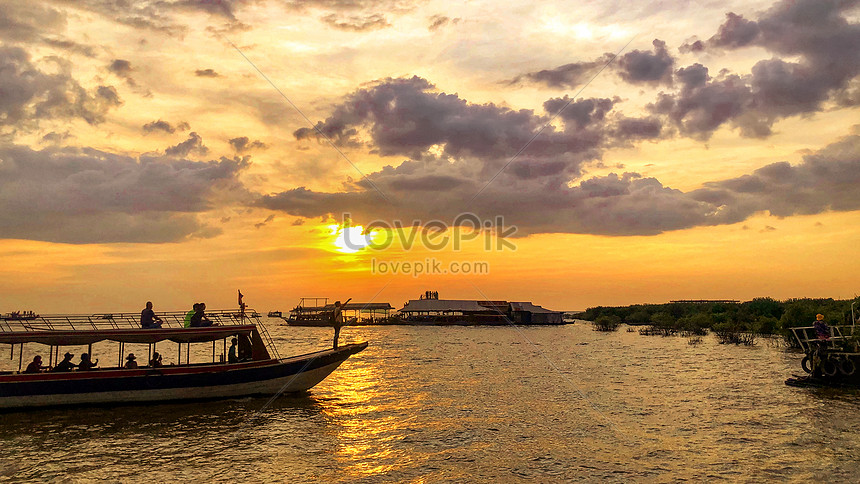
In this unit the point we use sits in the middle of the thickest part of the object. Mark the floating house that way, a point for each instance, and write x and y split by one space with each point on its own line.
431 310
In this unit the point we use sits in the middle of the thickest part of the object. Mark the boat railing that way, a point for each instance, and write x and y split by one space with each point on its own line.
807 337
95 322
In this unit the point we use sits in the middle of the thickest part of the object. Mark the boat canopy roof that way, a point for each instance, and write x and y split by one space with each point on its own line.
125 335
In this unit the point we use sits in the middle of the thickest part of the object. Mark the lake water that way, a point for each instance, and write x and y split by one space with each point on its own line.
472 404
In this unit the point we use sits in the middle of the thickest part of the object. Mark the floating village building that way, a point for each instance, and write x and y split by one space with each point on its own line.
431 310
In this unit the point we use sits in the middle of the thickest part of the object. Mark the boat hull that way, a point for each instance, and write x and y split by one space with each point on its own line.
174 383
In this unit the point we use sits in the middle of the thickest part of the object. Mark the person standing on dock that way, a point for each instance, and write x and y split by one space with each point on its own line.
821 328
148 319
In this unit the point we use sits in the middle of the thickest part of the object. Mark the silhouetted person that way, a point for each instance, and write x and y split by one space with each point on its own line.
148 319
87 363
36 365
199 319
337 321
130 361
66 364
232 355
155 362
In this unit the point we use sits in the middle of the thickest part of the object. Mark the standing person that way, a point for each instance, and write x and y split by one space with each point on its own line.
66 364
190 314
148 319
36 365
337 319
87 363
821 328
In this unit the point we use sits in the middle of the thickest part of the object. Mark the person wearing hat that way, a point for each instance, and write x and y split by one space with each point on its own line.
36 365
66 364
821 328
130 361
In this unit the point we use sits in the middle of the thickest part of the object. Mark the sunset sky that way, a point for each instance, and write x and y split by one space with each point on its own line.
179 150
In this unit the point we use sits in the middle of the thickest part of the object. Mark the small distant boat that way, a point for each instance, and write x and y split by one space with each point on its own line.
275 314
259 370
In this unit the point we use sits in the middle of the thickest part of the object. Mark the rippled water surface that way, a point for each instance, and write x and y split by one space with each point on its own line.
472 404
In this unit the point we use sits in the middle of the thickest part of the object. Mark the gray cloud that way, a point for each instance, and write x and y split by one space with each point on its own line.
194 144
637 67
29 94
243 144
165 126
569 75
822 63
627 204
90 196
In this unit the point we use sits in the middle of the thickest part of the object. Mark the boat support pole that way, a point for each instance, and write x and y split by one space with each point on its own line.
179 356
20 356
12 352
50 356
213 351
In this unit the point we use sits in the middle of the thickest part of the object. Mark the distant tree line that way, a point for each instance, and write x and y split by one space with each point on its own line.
762 315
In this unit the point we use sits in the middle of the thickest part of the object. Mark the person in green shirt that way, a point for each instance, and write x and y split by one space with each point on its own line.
190 314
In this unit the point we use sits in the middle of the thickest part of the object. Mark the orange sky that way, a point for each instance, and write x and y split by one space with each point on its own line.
103 208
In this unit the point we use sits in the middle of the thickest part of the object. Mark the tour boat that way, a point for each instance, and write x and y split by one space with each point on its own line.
259 369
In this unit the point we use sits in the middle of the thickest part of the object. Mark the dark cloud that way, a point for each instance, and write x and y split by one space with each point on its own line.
409 117
639 66
704 104
162 15
262 224
735 32
165 126
828 179
90 196
569 75
29 94
27 21
356 23
194 144
627 204
635 67
820 62
243 144
206 73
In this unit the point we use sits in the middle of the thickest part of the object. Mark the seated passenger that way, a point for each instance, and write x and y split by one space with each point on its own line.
232 356
36 365
155 362
66 364
199 319
189 315
148 319
130 361
87 363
